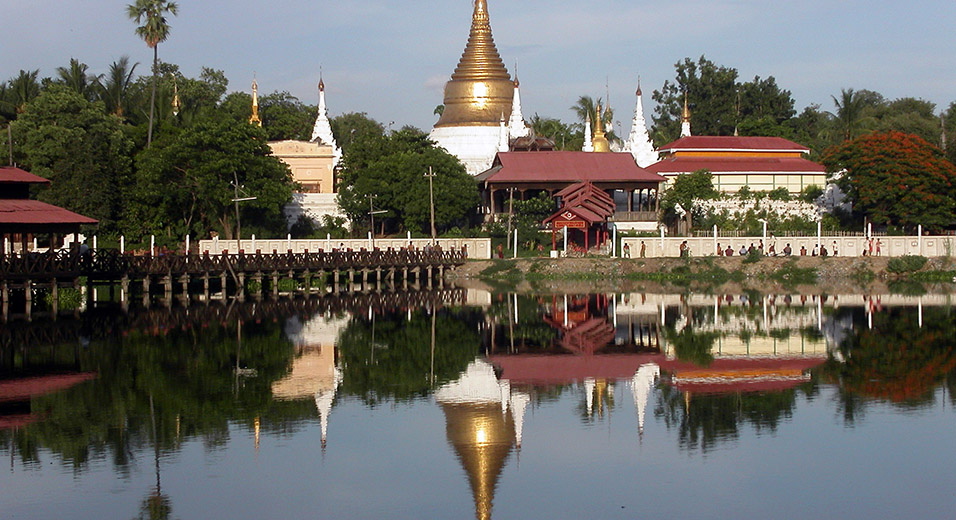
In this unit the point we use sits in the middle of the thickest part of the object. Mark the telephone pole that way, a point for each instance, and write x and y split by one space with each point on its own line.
431 201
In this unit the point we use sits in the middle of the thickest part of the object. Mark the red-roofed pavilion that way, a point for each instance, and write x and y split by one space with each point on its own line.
632 189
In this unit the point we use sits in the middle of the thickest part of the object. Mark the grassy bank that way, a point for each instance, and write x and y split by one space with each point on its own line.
704 272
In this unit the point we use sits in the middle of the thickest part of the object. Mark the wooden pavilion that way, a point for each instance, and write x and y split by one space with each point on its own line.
585 209
23 219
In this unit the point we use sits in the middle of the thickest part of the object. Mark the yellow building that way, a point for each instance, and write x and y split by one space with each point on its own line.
761 163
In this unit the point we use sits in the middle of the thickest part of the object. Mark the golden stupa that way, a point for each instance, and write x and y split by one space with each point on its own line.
600 141
481 89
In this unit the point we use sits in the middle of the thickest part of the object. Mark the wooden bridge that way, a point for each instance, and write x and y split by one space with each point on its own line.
220 275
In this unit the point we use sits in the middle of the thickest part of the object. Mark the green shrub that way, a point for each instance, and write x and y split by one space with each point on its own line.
906 264
753 256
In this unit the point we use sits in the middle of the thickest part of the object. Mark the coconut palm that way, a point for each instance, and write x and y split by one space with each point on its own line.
24 88
114 87
155 30
587 107
76 78
849 111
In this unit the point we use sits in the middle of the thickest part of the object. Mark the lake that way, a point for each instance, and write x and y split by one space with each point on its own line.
466 403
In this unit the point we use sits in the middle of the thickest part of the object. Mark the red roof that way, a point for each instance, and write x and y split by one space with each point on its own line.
23 211
10 174
731 143
718 165
572 167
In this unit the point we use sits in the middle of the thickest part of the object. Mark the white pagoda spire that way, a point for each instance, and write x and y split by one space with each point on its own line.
323 403
518 402
516 125
322 131
639 141
503 139
588 143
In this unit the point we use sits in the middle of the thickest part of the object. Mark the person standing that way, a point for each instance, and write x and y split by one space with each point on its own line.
627 251
878 246
834 248
643 249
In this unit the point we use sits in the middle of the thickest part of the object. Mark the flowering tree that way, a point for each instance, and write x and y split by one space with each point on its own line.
895 179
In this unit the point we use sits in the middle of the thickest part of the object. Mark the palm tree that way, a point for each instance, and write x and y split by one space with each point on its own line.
587 107
114 89
155 30
77 79
849 111
24 88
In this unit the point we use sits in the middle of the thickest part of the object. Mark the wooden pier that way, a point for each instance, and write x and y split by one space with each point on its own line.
219 276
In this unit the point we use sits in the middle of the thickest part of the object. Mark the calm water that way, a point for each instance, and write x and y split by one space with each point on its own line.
469 404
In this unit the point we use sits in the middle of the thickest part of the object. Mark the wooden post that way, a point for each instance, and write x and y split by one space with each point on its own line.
241 291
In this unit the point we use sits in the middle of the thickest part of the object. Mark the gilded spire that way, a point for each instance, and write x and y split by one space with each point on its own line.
601 143
685 119
254 120
176 103
481 87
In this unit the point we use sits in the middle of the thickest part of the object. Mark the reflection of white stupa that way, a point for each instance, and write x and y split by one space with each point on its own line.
314 372
641 385
482 422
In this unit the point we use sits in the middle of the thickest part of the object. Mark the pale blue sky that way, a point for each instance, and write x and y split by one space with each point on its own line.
390 58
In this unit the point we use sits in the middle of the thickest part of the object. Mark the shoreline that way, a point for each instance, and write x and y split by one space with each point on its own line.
801 274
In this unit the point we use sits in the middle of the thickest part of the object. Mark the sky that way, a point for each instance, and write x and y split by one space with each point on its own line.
391 58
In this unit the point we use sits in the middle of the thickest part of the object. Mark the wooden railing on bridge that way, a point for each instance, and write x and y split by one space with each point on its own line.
107 264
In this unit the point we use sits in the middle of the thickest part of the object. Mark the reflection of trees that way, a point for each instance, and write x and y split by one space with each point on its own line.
897 360
691 346
391 356
525 331
705 420
188 371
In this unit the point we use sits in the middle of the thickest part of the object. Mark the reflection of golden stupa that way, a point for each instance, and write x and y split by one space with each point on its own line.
480 428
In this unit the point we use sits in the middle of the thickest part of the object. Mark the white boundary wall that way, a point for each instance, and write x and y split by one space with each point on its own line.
478 248
928 246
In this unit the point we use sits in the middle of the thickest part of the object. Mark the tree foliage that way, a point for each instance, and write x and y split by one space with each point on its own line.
392 168
896 179
82 150
184 183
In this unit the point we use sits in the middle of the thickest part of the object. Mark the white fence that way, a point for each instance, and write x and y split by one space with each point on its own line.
478 248
928 246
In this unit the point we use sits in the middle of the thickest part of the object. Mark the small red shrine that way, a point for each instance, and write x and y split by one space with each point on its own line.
585 209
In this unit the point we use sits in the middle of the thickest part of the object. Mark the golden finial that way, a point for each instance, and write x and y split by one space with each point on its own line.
321 82
600 141
176 103
254 120
685 115
639 86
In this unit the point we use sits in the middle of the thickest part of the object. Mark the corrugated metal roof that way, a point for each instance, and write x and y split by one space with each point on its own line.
732 143
673 165
17 211
14 175
563 166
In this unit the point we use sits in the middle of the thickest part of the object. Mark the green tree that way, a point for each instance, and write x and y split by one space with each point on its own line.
23 89
185 183
565 137
285 117
910 116
76 78
353 127
78 146
392 169
896 179
711 91
851 110
586 108
683 191
114 88
155 30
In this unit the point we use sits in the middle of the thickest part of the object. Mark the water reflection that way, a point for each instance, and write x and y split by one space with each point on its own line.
699 369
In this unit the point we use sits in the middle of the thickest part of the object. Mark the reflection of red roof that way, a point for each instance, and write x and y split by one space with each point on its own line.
730 374
23 211
564 166
16 421
12 175
718 165
565 369
731 143
30 387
